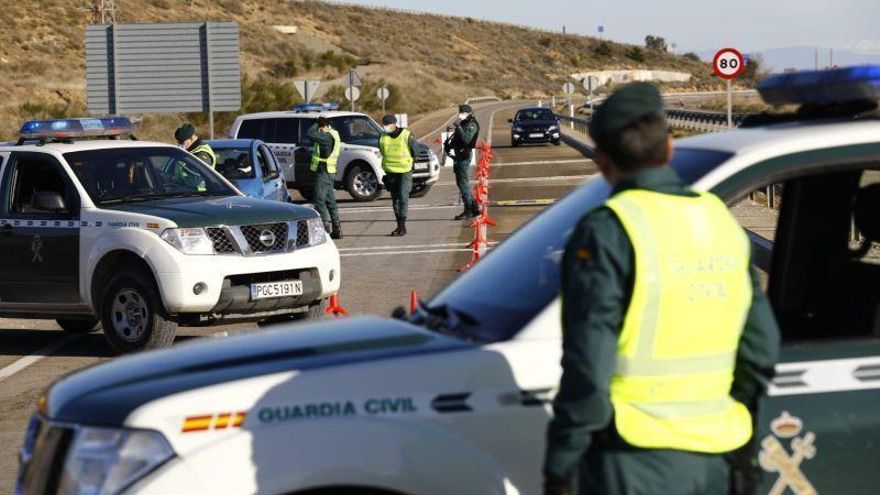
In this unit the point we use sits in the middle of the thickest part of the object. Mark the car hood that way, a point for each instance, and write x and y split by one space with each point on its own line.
204 212
529 124
106 394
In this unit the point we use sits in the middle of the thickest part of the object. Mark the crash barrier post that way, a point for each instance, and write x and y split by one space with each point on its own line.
481 196
334 308
413 301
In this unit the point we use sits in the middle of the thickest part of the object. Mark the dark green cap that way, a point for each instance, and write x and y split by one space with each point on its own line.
465 109
626 105
184 132
389 119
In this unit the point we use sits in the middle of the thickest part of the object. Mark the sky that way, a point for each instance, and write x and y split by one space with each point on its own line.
750 25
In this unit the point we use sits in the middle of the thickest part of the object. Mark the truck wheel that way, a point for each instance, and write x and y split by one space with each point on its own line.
78 326
362 184
420 191
132 314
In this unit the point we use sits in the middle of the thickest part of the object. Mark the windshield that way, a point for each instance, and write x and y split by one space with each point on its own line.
520 277
235 163
137 174
357 129
537 114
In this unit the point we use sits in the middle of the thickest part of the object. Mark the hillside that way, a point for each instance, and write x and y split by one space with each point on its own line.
427 61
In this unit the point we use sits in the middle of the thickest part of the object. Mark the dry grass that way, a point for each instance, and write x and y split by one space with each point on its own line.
432 63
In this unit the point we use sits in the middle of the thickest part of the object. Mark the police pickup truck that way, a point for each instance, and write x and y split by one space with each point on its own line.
142 237
455 397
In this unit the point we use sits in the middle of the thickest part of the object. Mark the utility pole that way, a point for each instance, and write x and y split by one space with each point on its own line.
816 58
351 86
830 58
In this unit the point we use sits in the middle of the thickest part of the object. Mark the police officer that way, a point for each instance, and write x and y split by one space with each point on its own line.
188 139
399 149
668 339
464 138
325 153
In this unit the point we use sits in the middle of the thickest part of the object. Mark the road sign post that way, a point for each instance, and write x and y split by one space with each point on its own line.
568 88
728 64
354 82
590 83
352 93
307 89
383 94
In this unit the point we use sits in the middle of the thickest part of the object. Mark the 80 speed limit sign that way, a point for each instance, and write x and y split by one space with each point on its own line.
728 63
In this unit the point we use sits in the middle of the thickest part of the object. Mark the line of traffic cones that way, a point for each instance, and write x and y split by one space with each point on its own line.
481 196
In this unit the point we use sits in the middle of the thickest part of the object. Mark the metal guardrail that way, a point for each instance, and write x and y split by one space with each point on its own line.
476 99
696 120
580 125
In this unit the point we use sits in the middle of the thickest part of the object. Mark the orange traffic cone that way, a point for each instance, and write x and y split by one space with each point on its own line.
413 301
334 307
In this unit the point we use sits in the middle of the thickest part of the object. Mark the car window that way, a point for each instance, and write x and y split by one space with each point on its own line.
267 163
826 264
263 129
235 163
357 129
304 126
145 173
34 174
535 114
286 131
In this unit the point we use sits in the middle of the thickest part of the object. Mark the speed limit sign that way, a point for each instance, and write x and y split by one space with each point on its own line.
728 63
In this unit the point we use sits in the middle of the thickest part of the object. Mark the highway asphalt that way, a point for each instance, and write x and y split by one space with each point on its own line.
378 271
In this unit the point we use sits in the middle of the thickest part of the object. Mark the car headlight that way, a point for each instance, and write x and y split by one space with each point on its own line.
189 241
517 129
317 234
553 128
106 461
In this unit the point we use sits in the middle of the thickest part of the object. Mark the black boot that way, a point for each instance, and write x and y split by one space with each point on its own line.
464 215
336 231
473 211
401 228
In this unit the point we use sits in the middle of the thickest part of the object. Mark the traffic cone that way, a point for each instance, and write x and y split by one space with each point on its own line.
413 301
334 307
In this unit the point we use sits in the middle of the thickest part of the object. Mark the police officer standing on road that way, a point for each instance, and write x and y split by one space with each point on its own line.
467 130
668 339
325 154
399 149
188 139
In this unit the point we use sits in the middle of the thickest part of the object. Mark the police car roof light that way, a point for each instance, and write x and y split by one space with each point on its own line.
315 107
76 128
823 87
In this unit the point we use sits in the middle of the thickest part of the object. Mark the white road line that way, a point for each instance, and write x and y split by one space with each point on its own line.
542 162
373 209
398 253
530 179
410 246
36 356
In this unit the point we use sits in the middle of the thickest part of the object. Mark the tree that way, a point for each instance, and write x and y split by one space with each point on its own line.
636 54
754 70
656 43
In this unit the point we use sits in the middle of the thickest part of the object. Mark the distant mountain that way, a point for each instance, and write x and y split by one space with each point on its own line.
803 57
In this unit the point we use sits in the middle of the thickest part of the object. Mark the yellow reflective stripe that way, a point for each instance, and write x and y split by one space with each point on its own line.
675 366
685 409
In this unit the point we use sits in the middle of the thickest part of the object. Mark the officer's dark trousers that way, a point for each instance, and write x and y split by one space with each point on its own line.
325 197
462 170
400 186
632 471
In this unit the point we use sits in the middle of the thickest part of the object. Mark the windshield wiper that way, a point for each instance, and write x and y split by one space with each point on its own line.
451 321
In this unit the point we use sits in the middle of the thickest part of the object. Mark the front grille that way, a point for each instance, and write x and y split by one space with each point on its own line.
302 233
222 239
257 235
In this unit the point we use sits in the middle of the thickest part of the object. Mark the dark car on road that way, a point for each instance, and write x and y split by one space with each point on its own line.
534 125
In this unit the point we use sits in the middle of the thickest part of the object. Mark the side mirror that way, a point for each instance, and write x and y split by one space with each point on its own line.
399 313
48 201
509 121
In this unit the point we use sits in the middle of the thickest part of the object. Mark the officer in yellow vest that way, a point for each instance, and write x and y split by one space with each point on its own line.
189 139
399 149
668 339
325 153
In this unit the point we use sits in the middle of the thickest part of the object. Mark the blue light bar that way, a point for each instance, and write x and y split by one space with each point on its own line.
315 107
76 128
823 87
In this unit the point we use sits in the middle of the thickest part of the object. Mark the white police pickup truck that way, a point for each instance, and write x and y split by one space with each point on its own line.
455 398
143 236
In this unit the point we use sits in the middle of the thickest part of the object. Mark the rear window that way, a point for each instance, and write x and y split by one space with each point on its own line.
262 129
286 131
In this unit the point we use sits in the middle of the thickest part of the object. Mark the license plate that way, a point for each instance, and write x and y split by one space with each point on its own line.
536 135
421 167
269 290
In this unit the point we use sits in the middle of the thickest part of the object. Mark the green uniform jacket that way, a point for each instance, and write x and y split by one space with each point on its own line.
323 139
465 134
596 292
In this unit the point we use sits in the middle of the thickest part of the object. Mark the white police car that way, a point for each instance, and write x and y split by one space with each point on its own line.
143 236
454 399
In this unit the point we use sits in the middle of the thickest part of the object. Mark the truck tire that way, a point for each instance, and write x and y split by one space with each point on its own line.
132 314
420 191
84 325
362 183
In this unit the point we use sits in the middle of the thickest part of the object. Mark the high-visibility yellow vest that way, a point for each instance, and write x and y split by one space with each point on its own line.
330 160
204 148
396 156
677 349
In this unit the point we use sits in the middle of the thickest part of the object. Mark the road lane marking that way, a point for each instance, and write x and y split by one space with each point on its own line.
523 202
530 179
36 356
408 246
399 253
372 209
542 162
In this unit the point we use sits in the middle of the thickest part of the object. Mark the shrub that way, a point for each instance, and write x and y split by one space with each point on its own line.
603 49
636 54
692 56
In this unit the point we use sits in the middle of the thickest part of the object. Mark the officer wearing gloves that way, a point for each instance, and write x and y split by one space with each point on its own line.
399 149
463 140
188 139
325 153
668 339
